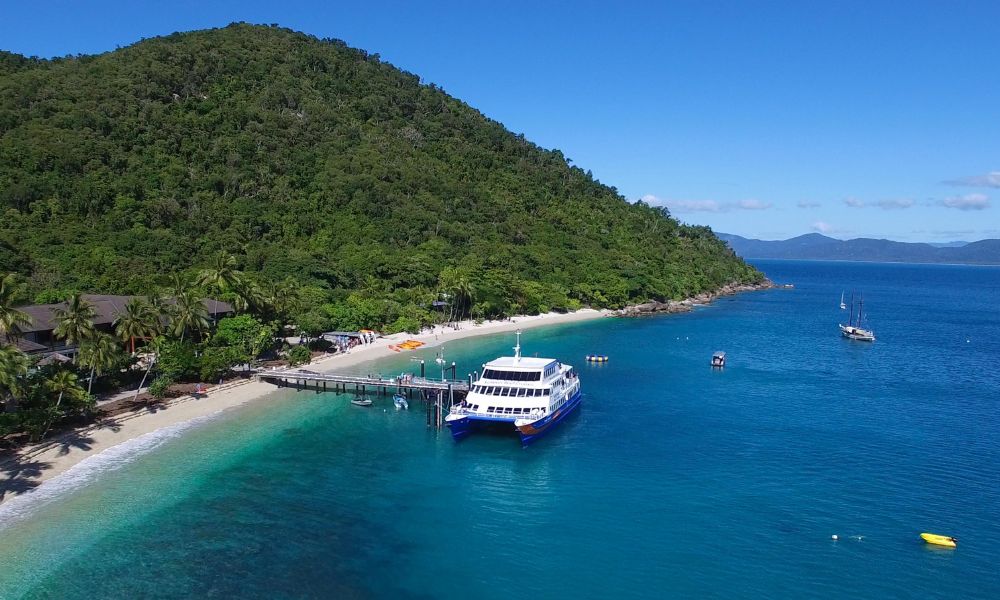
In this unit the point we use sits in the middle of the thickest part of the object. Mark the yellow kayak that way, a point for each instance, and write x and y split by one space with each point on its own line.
939 540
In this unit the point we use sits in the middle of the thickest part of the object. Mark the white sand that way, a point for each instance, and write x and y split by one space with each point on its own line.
56 456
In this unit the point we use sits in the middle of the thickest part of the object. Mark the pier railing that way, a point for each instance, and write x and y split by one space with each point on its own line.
419 383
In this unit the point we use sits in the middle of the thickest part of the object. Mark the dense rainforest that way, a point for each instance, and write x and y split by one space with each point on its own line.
318 167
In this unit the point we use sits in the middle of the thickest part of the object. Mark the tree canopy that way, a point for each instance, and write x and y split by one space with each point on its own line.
316 165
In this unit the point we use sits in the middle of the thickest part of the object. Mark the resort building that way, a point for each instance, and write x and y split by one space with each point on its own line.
38 339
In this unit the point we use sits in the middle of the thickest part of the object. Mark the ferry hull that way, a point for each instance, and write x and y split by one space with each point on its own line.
463 427
530 433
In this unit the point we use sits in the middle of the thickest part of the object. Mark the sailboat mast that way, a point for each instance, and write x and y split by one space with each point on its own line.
861 307
850 321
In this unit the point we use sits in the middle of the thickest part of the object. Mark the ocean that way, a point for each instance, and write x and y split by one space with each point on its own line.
672 480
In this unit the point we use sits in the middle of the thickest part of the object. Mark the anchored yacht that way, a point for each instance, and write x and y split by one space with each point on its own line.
527 395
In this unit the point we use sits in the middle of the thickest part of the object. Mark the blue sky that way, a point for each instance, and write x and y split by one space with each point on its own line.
764 119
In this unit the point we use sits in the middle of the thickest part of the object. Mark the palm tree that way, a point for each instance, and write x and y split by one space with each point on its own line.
154 345
138 320
247 296
75 321
190 314
455 285
66 384
100 353
222 274
13 366
464 293
161 310
11 319
179 284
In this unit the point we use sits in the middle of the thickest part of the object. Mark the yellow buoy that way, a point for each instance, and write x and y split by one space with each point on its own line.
939 540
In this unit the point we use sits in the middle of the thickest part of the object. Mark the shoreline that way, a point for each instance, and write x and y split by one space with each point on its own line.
31 467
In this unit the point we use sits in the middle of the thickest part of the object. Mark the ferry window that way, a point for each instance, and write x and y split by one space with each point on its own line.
522 393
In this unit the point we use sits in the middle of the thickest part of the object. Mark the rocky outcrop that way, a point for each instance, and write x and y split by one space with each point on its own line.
679 306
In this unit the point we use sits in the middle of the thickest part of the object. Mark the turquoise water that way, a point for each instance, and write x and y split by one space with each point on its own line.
672 480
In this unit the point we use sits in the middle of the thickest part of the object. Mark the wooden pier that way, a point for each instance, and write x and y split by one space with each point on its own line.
438 394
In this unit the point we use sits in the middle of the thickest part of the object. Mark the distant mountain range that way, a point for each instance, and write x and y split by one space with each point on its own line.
814 246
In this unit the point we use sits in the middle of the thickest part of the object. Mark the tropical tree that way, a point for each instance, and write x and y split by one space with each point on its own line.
247 296
11 319
100 353
138 320
13 367
222 275
180 284
75 321
162 311
67 385
464 294
154 345
190 314
456 287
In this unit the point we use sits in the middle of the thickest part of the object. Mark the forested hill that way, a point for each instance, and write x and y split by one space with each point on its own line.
307 159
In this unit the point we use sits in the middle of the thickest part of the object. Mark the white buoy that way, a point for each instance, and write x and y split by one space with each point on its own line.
834 537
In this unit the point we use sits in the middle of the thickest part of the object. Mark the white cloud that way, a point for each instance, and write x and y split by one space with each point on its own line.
822 227
753 205
683 206
895 204
967 202
808 204
991 180
891 204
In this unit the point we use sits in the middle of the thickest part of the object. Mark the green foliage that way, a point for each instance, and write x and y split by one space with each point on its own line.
158 389
356 313
298 355
177 360
245 333
289 173
216 361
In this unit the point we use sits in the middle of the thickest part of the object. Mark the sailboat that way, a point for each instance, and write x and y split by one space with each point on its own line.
853 328
842 305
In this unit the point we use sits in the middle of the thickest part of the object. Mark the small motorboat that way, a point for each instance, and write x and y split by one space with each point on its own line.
362 401
939 540
400 401
719 359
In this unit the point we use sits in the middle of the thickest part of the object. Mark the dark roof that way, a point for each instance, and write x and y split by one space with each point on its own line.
23 345
108 308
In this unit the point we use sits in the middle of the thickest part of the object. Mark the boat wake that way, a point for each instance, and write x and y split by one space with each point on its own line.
90 468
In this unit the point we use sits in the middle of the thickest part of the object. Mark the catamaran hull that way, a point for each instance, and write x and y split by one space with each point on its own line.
463 427
537 429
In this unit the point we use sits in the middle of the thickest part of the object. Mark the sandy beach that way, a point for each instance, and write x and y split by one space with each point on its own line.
34 465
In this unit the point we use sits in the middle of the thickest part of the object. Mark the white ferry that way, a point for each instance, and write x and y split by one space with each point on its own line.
529 395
